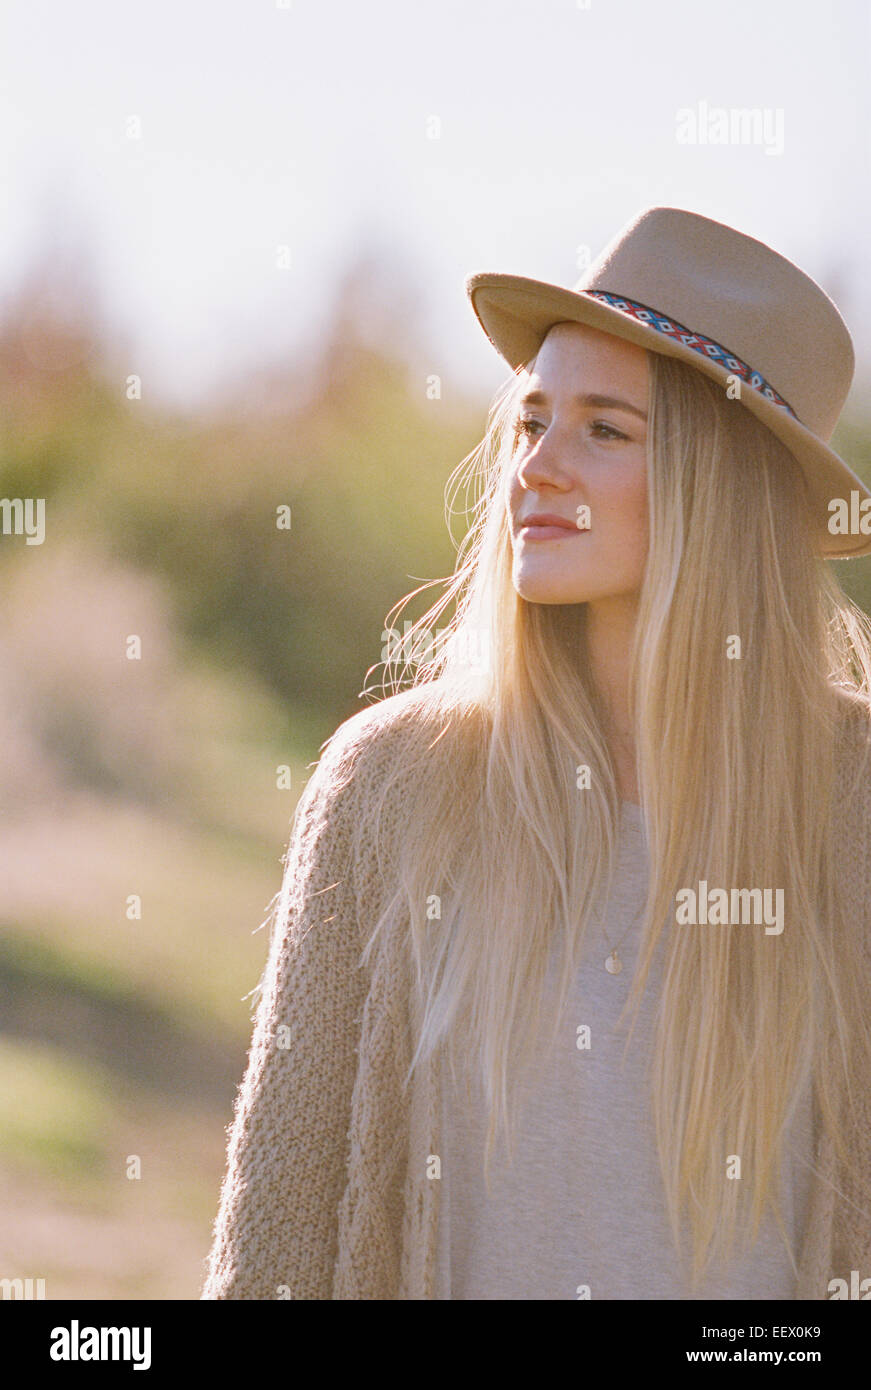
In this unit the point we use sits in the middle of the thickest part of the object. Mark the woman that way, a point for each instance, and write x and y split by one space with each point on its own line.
567 990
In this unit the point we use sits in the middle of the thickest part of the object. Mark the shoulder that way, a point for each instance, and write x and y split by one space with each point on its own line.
384 750
395 724
851 790
365 789
851 809
380 738
853 738
854 707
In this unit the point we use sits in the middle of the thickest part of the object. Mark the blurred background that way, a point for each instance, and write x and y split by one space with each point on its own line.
231 280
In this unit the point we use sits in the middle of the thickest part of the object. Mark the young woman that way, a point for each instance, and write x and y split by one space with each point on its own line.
567 991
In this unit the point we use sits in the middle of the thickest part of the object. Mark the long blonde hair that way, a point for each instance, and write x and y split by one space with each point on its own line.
735 764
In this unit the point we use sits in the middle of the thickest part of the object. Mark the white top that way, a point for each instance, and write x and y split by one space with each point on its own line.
583 1205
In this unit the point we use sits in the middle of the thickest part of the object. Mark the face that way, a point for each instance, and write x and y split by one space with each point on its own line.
575 450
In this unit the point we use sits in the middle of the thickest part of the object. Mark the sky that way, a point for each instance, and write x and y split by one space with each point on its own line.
218 165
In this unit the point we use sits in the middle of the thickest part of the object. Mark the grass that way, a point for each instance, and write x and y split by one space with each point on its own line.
69 1211
55 1112
126 1036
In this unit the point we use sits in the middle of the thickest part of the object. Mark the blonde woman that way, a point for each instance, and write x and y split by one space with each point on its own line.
567 991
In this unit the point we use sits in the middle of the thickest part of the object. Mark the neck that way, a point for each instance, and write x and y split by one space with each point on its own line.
610 630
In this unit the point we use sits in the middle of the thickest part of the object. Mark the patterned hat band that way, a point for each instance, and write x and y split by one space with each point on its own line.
714 352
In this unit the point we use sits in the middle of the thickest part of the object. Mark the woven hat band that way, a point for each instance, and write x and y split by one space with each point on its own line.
706 347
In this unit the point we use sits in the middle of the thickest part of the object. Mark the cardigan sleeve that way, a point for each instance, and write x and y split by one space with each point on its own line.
276 1232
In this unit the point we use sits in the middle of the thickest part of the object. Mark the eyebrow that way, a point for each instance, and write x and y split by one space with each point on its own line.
603 402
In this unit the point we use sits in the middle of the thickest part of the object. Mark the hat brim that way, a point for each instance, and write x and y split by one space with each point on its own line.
516 312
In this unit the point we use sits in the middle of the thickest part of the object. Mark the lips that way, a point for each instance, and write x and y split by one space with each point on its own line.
540 526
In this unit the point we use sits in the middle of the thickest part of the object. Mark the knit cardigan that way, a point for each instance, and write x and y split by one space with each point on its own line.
326 1193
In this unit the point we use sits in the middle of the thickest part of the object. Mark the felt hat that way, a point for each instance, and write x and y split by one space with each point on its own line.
678 283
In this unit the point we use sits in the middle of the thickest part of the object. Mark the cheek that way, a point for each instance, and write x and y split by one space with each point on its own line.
638 511
511 488
639 503
625 503
626 535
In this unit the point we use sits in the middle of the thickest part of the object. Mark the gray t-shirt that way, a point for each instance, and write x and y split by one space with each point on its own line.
583 1205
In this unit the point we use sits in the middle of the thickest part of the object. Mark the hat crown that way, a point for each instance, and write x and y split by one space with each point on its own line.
677 283
719 282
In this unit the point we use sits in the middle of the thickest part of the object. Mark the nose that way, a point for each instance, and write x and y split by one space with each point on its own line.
542 466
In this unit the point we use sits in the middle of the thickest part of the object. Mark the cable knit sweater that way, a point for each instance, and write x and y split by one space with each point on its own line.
326 1193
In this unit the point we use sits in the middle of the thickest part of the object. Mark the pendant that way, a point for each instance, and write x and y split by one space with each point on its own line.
613 964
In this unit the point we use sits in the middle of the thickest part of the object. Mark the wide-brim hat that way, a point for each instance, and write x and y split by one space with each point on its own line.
684 285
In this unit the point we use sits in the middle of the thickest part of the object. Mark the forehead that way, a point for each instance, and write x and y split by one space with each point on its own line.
567 345
574 356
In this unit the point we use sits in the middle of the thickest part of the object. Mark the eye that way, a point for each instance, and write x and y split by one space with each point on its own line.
612 432
524 427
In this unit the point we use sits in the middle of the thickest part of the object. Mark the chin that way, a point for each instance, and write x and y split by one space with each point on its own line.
541 591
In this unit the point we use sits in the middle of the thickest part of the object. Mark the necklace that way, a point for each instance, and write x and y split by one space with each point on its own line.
613 963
